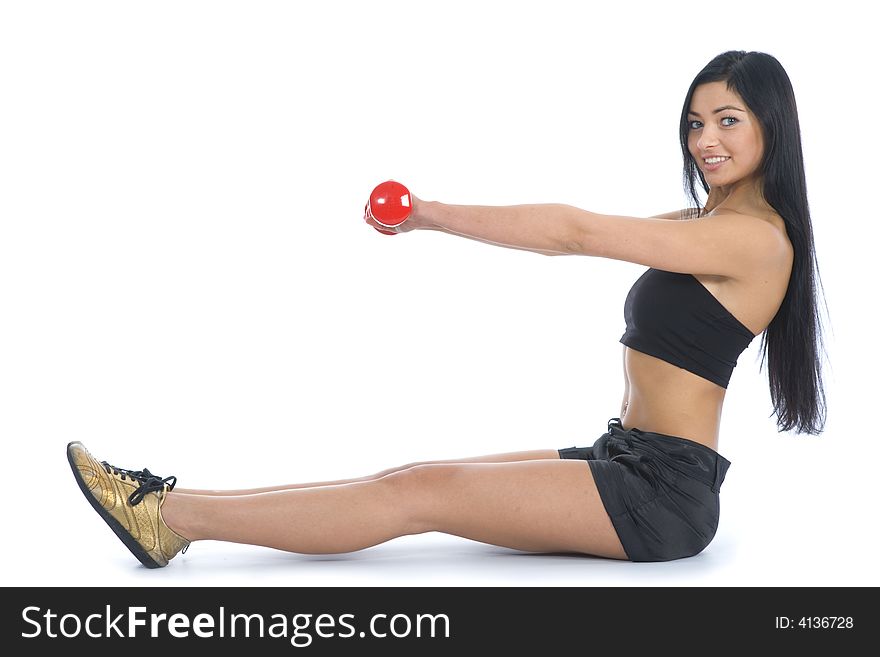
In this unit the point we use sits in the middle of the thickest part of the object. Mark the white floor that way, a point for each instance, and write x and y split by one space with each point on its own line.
429 560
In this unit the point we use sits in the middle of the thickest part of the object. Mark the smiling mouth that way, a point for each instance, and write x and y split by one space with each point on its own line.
715 165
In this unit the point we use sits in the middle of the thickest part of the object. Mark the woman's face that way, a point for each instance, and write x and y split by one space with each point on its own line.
732 132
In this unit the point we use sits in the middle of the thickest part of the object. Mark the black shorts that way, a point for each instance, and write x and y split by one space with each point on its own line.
661 492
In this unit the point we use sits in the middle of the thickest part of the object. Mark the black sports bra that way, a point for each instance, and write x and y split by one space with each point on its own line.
673 317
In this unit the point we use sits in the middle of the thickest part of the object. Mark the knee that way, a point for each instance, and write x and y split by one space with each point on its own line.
414 479
415 489
389 471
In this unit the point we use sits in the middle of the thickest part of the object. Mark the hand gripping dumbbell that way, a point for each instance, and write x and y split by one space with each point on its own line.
390 205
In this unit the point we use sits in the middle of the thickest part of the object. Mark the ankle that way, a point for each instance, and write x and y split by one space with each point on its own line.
174 516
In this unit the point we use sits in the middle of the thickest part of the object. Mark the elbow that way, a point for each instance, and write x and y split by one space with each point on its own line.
572 247
576 238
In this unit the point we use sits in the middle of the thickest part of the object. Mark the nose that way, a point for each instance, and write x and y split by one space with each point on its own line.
707 140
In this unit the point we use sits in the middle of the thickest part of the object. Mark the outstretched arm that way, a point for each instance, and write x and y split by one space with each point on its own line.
731 245
543 228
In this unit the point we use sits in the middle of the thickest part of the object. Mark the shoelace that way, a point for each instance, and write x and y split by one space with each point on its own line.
149 483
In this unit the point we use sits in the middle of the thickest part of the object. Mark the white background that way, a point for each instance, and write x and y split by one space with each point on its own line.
186 282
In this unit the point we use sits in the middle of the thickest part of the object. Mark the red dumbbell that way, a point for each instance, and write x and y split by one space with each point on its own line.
390 205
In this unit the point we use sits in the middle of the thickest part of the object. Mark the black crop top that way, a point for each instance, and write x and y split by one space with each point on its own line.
673 317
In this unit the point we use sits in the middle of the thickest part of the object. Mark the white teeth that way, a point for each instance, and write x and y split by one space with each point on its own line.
715 160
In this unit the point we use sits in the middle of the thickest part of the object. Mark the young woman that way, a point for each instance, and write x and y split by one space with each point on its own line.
648 488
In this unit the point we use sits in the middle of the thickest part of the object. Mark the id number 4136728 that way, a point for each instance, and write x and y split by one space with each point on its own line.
814 623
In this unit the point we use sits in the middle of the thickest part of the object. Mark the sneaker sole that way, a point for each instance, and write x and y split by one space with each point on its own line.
114 524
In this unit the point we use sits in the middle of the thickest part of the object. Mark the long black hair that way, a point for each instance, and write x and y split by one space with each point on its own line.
793 340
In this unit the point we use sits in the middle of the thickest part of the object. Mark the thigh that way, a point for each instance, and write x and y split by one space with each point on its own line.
546 505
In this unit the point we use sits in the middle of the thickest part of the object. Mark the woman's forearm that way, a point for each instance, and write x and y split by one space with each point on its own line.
544 228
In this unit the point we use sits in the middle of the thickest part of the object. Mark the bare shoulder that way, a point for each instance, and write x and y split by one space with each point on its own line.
773 235
755 296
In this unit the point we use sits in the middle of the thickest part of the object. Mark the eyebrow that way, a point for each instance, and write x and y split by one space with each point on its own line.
720 109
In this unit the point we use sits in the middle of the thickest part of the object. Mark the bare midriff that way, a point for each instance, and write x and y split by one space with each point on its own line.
663 398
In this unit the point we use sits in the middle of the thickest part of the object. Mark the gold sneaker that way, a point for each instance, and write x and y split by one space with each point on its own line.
130 501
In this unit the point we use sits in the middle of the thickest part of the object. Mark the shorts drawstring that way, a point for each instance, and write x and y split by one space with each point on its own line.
666 453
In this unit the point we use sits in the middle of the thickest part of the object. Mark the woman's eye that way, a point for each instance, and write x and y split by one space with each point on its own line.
732 118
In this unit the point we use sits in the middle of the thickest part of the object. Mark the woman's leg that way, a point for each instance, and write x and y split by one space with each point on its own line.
489 458
545 505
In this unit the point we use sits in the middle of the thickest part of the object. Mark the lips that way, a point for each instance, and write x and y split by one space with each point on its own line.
716 166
